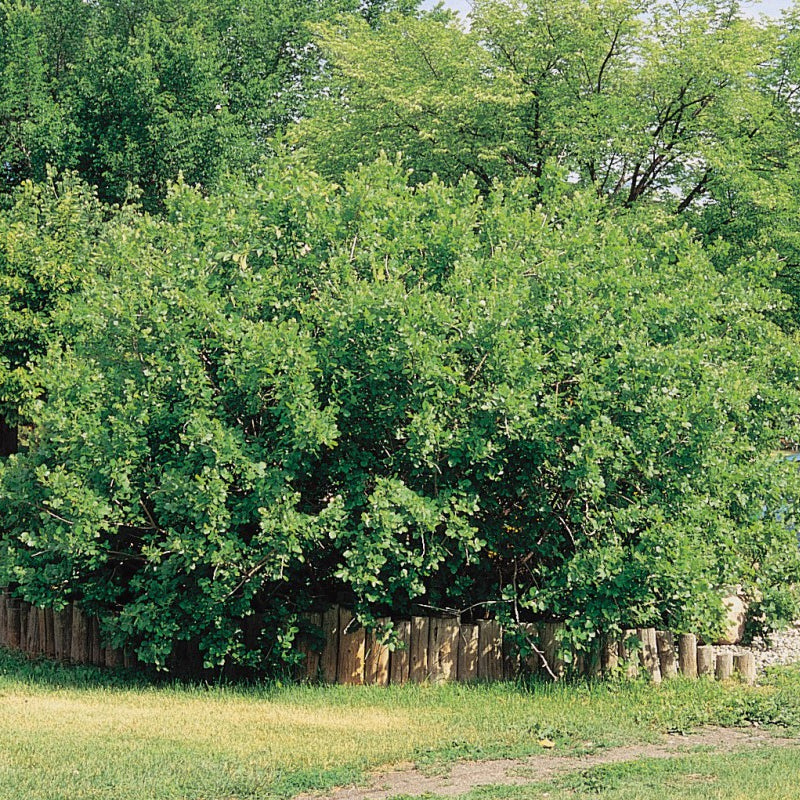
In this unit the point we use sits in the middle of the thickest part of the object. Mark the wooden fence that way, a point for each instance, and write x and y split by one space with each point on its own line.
444 649
333 649
67 635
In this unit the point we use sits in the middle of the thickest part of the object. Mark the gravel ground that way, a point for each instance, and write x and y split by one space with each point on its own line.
782 647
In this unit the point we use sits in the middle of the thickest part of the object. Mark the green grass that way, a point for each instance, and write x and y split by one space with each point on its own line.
77 733
767 773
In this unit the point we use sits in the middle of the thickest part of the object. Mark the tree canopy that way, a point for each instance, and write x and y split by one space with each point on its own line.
691 106
132 94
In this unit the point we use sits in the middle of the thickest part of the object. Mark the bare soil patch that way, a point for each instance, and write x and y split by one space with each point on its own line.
466 775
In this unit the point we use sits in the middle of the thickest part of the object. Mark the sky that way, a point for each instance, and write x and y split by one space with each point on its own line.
771 7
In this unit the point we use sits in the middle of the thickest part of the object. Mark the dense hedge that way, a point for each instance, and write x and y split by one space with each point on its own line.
284 393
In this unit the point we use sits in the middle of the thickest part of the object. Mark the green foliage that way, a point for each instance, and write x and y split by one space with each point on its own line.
278 393
132 95
543 360
688 106
46 244
634 105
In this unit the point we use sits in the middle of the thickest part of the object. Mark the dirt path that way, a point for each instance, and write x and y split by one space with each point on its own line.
466 775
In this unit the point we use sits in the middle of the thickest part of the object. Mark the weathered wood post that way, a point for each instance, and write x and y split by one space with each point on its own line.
13 616
97 653
532 660
609 655
745 665
308 666
62 633
24 609
665 642
443 648
41 627
49 633
420 638
628 653
649 654
352 643
490 650
511 660
724 666
31 645
552 649
329 657
79 649
399 662
706 660
687 655
3 618
376 666
468 642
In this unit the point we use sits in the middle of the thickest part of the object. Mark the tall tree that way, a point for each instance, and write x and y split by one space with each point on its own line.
633 104
135 93
688 105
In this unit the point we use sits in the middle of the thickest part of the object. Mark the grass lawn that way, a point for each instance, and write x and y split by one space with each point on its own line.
769 773
75 733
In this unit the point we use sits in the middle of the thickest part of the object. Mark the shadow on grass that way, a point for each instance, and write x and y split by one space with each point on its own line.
19 668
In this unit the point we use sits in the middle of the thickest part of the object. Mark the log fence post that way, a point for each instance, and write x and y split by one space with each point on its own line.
376 666
352 641
665 642
687 655
13 612
428 648
3 618
62 633
649 654
745 666
724 666
467 669
79 646
628 652
329 657
552 649
609 656
308 666
420 637
490 650
443 648
706 660
532 660
399 659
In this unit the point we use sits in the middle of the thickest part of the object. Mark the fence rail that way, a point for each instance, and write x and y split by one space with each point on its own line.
333 649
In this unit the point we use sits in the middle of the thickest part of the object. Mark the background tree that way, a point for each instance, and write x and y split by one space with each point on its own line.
138 93
621 100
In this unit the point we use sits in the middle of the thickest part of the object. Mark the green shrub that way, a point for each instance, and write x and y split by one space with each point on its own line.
281 393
